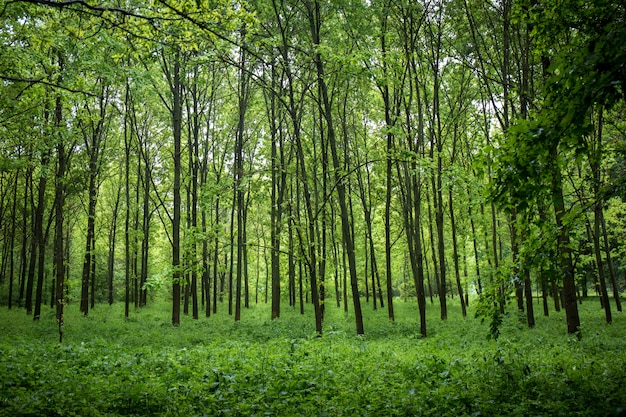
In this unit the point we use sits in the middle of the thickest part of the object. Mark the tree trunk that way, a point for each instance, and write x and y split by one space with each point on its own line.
91 228
38 246
388 185
609 261
145 241
517 281
479 284
315 25
28 186
431 233
12 239
594 158
565 251
176 91
455 254
37 242
528 293
216 253
112 240
279 176
59 252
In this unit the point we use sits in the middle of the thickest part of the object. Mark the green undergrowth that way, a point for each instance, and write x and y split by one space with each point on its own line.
143 366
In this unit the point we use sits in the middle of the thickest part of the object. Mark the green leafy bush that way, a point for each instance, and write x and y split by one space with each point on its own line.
108 366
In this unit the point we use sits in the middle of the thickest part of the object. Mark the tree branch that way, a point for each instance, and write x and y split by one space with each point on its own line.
33 81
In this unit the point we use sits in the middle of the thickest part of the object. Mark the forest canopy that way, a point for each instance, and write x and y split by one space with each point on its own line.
221 153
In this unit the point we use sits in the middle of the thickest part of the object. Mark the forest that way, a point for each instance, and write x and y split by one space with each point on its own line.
429 162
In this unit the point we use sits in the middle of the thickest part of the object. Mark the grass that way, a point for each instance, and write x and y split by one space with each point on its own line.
142 366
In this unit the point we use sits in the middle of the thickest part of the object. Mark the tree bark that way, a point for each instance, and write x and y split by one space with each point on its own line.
594 158
59 251
38 246
176 91
37 243
565 251
314 13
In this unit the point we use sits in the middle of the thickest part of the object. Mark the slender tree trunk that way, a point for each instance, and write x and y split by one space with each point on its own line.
544 292
136 230
426 269
38 246
206 273
92 295
91 228
112 240
528 293
176 91
411 196
433 247
600 213
594 157
311 249
437 141
28 188
59 252
565 251
243 96
455 254
12 239
194 162
388 194
127 213
315 25
216 253
145 241
188 235
519 290
479 284
231 259
279 174
609 261
275 209
37 242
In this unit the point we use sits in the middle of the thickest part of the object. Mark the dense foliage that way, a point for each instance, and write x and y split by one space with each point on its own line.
304 167
222 153
110 366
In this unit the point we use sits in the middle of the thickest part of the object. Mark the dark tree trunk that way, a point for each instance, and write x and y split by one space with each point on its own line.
544 292
565 251
28 189
314 13
598 217
279 176
609 261
37 242
145 242
91 229
528 292
455 255
127 150
112 240
173 75
12 239
216 252
479 284
59 251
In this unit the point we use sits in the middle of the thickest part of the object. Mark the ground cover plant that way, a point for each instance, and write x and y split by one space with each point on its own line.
144 366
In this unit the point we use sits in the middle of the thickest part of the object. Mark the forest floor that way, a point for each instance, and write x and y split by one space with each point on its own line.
143 366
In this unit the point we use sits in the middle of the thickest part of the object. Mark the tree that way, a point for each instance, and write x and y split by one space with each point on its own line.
314 16
93 128
587 70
